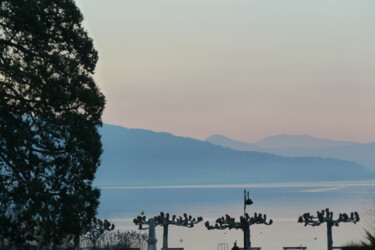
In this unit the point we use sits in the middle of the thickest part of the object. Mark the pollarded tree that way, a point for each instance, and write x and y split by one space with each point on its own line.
97 231
50 111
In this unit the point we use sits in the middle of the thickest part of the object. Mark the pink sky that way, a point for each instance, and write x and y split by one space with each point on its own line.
243 69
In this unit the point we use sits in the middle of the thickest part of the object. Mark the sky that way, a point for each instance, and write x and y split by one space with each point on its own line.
244 69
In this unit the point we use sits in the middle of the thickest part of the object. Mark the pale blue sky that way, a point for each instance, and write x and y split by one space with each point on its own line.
244 69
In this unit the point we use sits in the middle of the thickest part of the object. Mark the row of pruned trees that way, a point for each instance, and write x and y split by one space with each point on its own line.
102 235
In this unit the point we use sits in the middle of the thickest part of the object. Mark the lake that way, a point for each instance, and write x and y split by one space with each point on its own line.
282 202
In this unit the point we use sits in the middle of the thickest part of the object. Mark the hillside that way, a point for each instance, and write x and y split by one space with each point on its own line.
233 144
349 151
298 141
142 157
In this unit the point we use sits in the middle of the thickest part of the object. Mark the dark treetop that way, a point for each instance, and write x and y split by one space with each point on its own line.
50 110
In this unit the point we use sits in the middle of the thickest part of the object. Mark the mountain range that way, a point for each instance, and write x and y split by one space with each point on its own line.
143 157
304 145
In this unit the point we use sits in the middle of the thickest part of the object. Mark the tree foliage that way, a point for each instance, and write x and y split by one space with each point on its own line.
370 244
97 230
50 110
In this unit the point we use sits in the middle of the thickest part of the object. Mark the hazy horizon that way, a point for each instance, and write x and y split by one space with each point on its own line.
245 70
240 140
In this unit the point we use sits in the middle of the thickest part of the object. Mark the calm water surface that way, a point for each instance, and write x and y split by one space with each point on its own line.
283 203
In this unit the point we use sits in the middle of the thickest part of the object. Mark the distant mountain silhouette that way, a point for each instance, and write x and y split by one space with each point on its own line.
298 146
142 157
230 143
298 141
360 153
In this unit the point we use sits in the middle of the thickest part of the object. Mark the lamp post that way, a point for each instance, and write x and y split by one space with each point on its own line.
246 201
244 224
164 220
325 216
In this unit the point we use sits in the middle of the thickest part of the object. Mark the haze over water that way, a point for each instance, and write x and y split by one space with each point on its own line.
283 203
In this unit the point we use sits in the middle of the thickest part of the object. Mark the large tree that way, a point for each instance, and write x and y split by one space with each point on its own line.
50 111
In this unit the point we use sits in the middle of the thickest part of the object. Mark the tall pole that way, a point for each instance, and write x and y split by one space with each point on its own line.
246 231
249 237
247 242
329 236
165 237
151 235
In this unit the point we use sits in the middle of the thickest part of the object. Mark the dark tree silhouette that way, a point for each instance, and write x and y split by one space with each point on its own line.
96 231
244 224
369 243
326 216
50 111
111 239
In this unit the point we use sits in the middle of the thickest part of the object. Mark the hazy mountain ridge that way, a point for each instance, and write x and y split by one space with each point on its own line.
296 141
230 143
142 157
362 153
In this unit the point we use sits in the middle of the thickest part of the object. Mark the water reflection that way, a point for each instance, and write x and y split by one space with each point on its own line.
283 202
